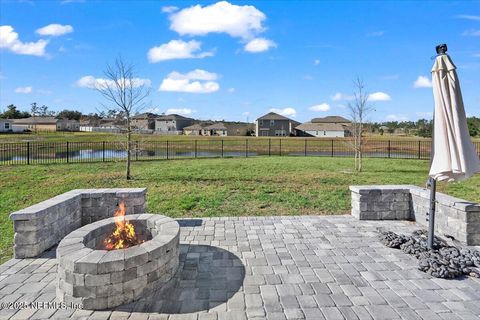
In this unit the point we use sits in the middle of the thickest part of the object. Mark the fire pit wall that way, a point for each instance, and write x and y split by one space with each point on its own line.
454 217
41 226
100 279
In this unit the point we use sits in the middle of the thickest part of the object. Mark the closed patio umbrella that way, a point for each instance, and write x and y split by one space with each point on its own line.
453 154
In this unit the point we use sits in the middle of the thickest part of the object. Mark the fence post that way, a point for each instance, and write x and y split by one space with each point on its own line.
269 147
195 148
389 148
418 149
68 153
103 151
136 150
222 148
280 146
332 149
246 148
28 152
167 149
305 147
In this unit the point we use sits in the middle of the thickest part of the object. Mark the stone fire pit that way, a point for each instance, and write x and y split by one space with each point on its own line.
100 279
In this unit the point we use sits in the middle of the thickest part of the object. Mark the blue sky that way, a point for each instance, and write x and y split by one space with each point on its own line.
238 60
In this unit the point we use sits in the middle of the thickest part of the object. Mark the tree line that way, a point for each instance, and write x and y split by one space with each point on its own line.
12 112
421 127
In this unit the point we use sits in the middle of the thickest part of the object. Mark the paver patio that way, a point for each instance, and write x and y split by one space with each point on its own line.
300 267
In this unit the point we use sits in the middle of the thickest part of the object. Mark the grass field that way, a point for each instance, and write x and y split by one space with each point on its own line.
219 187
98 136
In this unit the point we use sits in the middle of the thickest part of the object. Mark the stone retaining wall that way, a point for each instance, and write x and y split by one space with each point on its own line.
454 217
43 225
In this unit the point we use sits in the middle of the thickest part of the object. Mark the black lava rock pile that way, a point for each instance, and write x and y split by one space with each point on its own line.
443 261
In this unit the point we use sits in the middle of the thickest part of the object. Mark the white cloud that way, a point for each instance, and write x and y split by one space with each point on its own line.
196 81
153 110
231 90
425 115
379 96
422 82
24 90
287 112
169 9
177 49
246 113
259 45
92 82
45 92
9 41
468 17
396 117
181 111
471 33
197 74
376 34
320 107
316 62
340 96
55 30
222 17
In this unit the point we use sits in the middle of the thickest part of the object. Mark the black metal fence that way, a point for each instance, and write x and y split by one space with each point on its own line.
78 152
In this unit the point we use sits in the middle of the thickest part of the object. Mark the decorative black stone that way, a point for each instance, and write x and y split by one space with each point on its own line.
443 261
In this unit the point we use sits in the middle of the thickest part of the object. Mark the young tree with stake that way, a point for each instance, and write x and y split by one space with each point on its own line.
359 108
126 94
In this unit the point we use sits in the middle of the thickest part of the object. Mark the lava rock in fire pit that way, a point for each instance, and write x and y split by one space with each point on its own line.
442 262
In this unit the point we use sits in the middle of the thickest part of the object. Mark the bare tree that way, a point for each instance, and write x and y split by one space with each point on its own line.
126 94
359 108
34 112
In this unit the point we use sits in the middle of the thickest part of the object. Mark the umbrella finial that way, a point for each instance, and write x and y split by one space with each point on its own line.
441 48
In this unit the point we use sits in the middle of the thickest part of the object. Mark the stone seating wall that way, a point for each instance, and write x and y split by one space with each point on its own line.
41 226
454 217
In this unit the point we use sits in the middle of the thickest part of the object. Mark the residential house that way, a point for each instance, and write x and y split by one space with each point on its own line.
47 124
239 128
216 129
193 130
327 127
6 125
274 125
144 121
172 124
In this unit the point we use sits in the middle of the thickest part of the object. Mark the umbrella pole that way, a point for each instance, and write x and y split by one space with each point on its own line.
431 213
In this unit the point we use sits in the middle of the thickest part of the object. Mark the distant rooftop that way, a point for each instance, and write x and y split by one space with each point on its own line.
146 115
216 126
171 117
273 116
37 120
316 126
196 126
331 119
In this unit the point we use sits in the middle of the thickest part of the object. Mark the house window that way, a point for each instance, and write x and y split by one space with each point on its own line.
7 125
260 122
272 122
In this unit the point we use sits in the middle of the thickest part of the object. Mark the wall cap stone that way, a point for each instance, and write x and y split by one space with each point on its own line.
39 210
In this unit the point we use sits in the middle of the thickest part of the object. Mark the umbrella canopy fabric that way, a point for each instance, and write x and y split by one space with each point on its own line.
454 155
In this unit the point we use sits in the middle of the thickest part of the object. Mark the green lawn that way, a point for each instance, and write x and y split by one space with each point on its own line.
219 187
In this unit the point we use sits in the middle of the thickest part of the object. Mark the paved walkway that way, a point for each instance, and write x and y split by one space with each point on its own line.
305 267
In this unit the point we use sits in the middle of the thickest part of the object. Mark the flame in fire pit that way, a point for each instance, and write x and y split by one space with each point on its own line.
124 235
